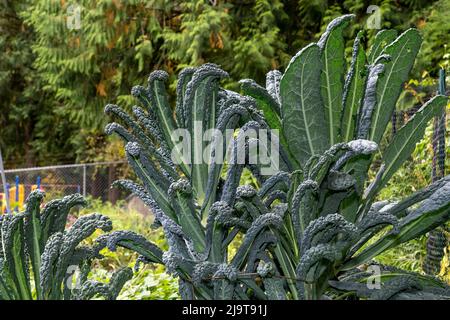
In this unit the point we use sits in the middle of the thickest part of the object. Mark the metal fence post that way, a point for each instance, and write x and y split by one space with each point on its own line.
84 180
5 189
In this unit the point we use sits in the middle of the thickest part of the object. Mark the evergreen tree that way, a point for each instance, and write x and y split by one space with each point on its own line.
56 76
32 131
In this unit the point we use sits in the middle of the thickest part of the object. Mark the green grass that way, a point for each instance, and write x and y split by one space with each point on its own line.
407 256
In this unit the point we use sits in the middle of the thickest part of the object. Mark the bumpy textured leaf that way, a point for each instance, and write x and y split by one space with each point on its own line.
394 285
225 285
338 181
143 95
39 242
7 288
301 103
135 242
54 215
325 229
15 257
235 167
48 265
147 172
228 119
273 285
33 234
278 182
110 290
161 155
332 47
273 79
398 209
201 111
369 101
402 52
360 166
377 218
353 90
309 269
188 218
302 205
263 221
320 169
264 101
136 134
159 96
80 230
183 79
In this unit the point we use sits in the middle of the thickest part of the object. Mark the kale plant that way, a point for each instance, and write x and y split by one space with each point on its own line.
39 256
311 230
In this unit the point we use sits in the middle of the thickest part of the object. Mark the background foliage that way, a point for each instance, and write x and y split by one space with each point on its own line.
55 81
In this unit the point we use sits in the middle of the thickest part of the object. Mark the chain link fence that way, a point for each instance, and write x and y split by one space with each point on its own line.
90 179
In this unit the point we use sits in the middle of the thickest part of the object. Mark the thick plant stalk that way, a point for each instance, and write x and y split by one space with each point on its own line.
437 240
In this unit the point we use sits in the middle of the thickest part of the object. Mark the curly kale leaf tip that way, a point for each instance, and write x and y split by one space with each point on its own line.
325 229
362 146
183 186
48 262
159 75
137 91
378 218
396 286
309 269
265 269
135 242
133 148
224 215
35 196
246 191
109 291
